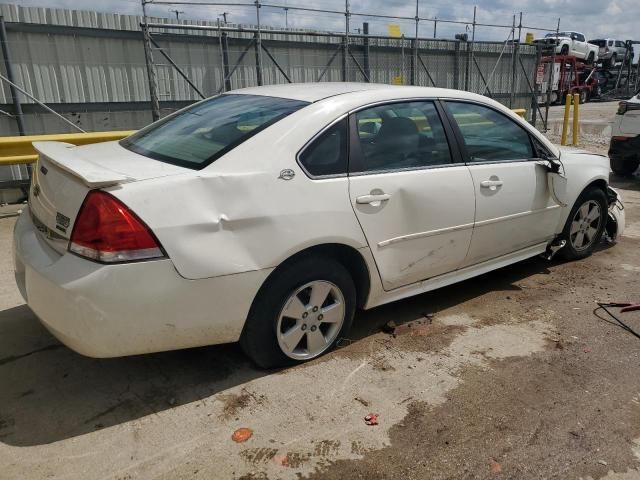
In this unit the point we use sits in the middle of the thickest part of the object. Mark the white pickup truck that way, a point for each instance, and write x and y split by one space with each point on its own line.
573 43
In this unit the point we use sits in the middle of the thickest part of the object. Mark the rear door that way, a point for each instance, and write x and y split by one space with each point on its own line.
414 201
514 206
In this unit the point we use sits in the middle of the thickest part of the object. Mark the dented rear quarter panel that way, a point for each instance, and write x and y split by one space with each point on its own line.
236 215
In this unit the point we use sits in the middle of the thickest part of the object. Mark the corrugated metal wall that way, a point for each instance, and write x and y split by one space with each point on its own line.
90 66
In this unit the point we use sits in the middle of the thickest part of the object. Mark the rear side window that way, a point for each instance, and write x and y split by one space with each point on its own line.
398 136
579 37
327 154
489 135
619 43
198 135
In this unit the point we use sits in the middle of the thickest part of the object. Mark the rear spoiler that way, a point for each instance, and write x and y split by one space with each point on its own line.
69 159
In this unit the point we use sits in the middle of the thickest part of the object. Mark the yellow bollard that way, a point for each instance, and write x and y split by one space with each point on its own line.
565 122
576 104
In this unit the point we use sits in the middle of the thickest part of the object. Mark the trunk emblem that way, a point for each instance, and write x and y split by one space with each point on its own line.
62 221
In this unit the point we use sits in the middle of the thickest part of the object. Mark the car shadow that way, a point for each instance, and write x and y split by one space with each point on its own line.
49 393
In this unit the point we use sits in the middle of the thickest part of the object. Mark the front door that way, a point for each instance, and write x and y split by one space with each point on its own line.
414 203
514 206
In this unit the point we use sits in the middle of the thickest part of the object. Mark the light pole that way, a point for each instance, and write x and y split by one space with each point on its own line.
177 12
286 17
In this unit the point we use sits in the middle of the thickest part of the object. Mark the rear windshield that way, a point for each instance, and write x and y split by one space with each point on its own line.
198 135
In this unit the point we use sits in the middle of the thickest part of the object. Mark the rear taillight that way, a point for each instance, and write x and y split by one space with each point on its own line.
106 231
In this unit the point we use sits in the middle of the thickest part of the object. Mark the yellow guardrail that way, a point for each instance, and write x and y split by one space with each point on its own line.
18 150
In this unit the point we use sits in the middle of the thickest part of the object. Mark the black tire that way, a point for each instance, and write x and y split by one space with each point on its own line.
570 252
584 96
564 50
259 339
591 58
624 166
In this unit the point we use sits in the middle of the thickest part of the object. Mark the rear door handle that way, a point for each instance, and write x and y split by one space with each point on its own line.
491 184
373 199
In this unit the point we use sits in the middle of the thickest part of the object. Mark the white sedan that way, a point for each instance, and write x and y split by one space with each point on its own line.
269 215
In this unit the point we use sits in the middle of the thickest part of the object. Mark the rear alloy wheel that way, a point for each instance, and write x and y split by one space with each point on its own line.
300 313
310 320
585 224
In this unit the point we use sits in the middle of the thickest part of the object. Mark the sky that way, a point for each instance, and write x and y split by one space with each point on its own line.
595 18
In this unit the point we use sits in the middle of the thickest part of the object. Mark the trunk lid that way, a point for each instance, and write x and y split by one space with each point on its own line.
64 174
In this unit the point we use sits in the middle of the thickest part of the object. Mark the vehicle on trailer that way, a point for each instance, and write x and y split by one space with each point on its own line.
269 215
624 149
572 43
611 51
570 76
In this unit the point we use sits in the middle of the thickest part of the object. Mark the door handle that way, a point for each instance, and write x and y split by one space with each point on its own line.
372 199
491 184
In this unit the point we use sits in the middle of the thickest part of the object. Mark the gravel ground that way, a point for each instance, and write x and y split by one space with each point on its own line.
509 375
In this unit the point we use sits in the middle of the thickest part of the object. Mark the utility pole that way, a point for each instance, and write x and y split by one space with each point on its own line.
286 17
177 12
151 68
224 17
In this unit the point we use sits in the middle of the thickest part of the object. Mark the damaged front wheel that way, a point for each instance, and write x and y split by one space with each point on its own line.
585 224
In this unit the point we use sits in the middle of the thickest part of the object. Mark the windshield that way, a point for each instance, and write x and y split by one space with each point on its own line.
198 135
560 34
600 43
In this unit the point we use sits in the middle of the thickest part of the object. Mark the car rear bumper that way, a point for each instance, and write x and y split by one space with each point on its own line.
127 309
621 149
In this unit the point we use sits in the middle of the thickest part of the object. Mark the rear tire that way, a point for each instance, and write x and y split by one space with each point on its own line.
591 58
624 166
564 50
284 307
585 224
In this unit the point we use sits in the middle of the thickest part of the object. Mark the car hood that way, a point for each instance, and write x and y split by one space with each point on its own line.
564 150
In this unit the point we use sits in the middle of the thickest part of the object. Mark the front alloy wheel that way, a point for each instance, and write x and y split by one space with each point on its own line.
585 226
310 320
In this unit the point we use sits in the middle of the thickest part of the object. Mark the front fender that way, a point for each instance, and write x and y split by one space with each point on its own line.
581 170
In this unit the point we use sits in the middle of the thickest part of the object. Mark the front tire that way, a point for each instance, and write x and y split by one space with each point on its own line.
300 314
585 224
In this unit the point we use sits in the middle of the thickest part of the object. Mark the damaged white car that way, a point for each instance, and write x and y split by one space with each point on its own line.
269 215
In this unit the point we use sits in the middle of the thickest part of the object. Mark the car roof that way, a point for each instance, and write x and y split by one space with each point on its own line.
314 92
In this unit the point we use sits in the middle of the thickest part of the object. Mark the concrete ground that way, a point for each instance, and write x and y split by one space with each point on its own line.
509 375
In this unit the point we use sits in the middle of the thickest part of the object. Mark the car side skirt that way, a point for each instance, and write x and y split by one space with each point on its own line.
379 297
